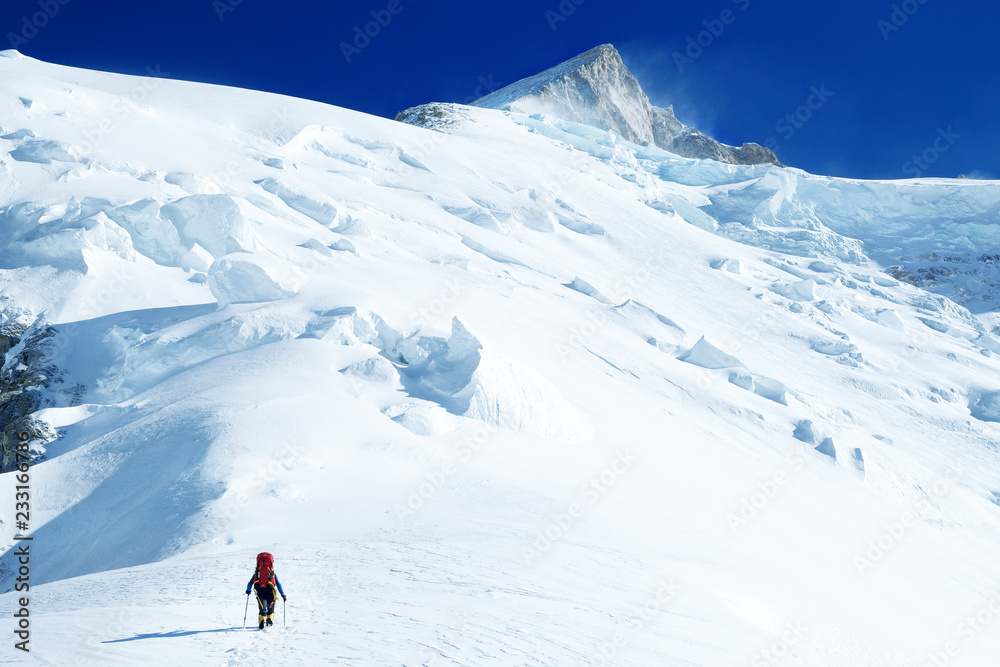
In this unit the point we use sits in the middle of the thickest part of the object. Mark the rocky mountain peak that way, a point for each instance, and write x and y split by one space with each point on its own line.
596 88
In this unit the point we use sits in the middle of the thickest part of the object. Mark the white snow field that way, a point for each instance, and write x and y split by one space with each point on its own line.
512 391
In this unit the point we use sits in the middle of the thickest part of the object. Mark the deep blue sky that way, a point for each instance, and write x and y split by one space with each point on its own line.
892 98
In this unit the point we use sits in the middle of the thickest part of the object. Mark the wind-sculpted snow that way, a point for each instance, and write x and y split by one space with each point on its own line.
42 152
322 212
441 370
217 223
893 223
511 390
658 330
582 286
938 233
986 406
248 278
707 355
804 290
510 395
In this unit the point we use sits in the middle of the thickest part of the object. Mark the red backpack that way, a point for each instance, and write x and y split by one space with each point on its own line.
265 569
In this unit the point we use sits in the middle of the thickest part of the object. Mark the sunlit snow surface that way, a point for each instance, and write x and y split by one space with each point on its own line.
512 393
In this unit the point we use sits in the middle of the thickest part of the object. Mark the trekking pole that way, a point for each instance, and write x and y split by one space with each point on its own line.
284 611
246 608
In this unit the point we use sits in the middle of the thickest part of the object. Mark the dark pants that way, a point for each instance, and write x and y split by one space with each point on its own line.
267 598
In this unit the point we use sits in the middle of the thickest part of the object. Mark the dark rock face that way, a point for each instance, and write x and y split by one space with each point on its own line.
24 376
754 153
666 127
433 116
10 334
694 144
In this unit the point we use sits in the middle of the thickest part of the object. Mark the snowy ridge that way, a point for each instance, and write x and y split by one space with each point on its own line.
515 391
596 88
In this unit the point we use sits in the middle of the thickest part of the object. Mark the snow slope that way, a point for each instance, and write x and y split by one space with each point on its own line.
512 392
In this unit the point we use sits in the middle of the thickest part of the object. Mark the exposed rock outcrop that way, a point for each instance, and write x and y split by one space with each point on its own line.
24 376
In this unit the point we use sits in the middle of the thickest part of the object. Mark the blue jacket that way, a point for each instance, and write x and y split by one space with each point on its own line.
274 582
